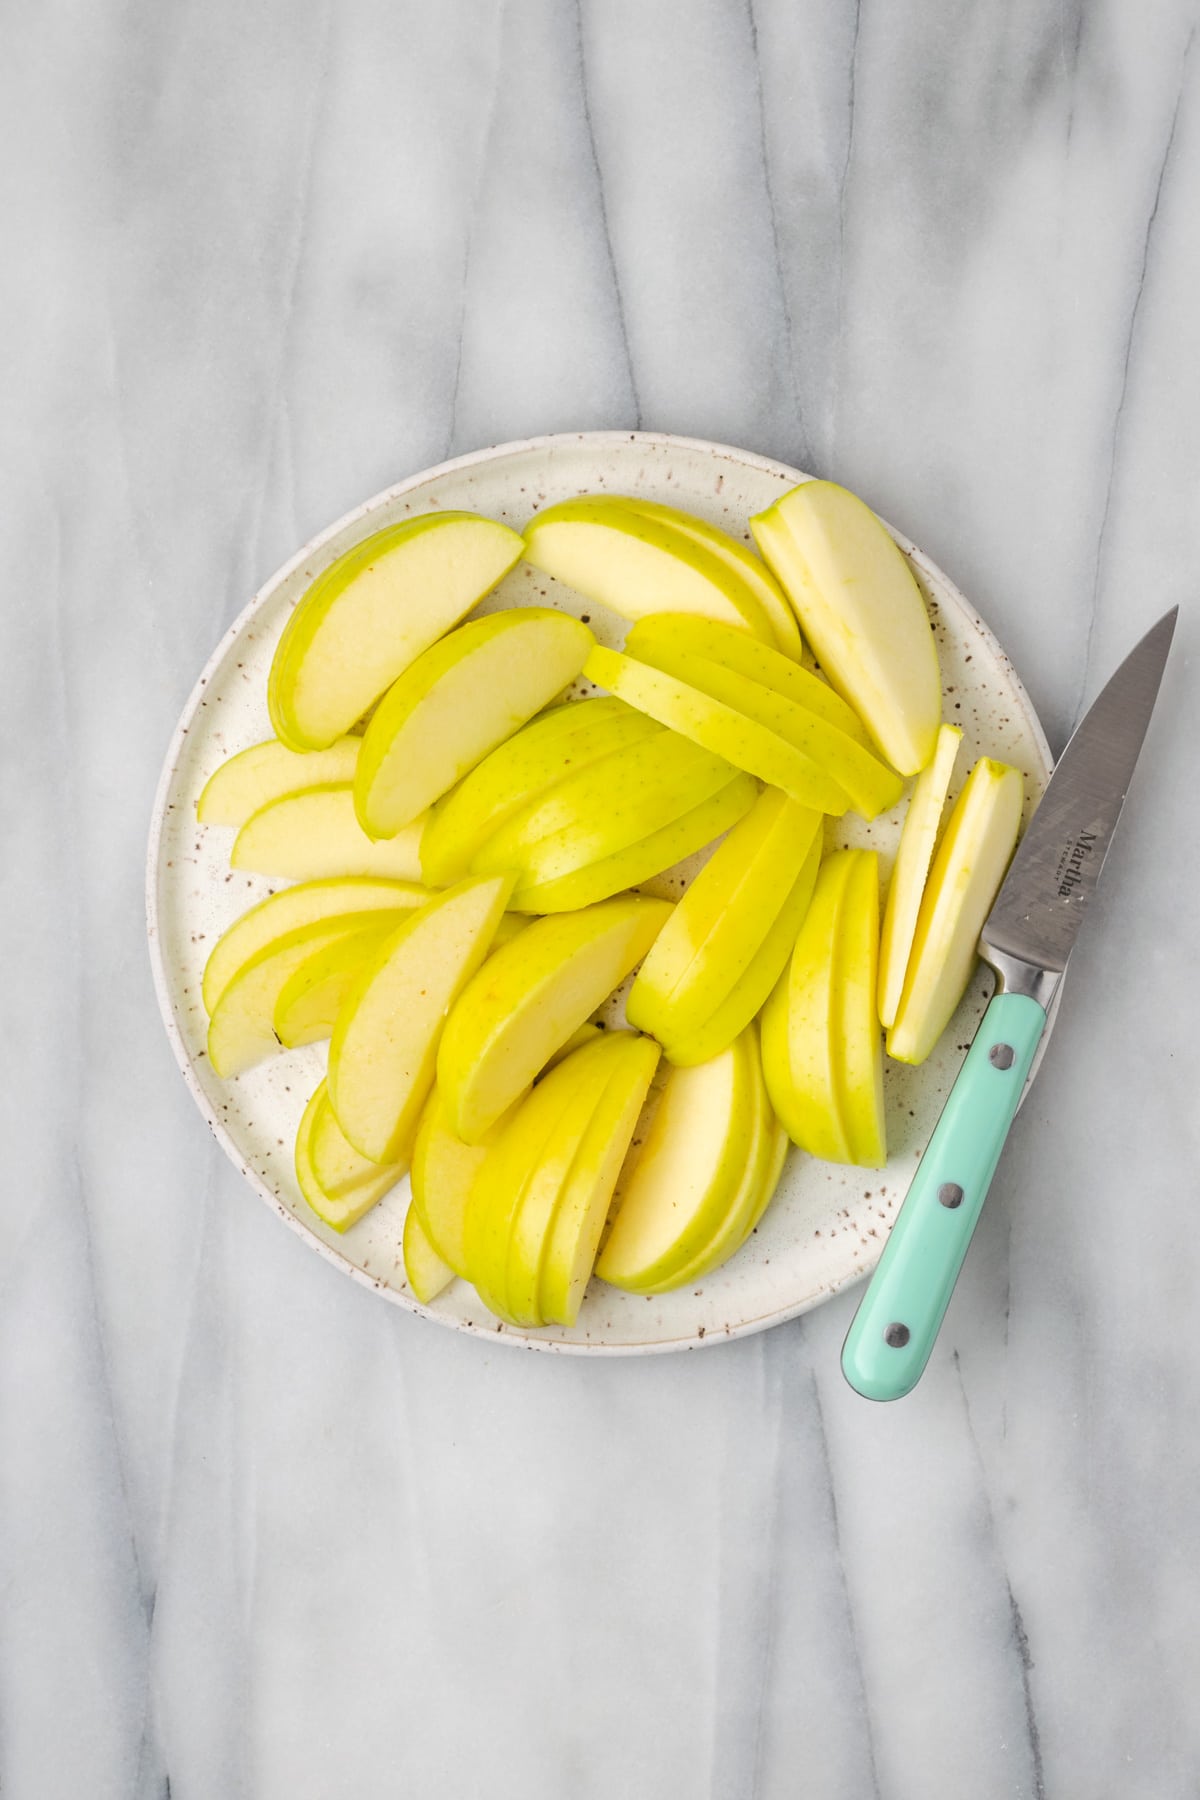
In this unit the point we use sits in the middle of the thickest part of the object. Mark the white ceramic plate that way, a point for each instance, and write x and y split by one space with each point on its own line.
827 1224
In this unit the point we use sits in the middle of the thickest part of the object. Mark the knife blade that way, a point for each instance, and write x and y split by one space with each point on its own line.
1027 939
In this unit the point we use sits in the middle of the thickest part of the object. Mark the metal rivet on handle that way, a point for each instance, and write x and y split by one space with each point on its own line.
950 1194
1001 1056
897 1336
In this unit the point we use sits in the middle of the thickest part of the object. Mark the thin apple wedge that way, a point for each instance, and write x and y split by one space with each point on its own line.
722 729
976 847
528 998
312 996
634 565
354 1199
384 1051
918 839
687 1174
548 750
315 835
460 699
821 1045
428 1274
719 926
443 1170
266 772
340 1170
372 612
861 610
295 906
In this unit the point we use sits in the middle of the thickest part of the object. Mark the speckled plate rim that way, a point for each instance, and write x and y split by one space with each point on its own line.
359 514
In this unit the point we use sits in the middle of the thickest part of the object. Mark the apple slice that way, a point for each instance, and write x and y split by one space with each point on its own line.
338 1168
976 847
546 751
720 924
292 907
458 701
872 787
687 1176
821 1047
918 839
241 1030
355 1199
266 772
557 877
427 1273
527 1000
384 1050
315 834
861 610
722 729
667 634
636 565
372 612
443 1170
312 996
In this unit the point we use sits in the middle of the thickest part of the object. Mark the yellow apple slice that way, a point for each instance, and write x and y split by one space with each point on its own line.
315 834
443 1170
546 751
527 1000
241 1030
976 846
372 612
871 786
917 841
668 634
556 877
688 1172
311 998
722 729
861 610
266 772
292 907
460 699
355 1199
384 1050
821 1047
635 565
428 1274
339 1169
719 925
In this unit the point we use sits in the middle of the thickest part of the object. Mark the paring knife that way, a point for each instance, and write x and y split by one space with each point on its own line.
1027 939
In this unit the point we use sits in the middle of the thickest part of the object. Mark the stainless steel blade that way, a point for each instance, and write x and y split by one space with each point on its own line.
1033 924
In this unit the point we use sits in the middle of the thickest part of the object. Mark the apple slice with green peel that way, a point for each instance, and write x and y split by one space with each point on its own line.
266 772
871 786
662 635
722 729
384 1051
428 1274
314 835
546 751
556 877
511 1154
339 1169
976 847
528 998
312 996
372 613
635 565
821 1047
722 921
292 907
354 1199
860 608
241 1030
918 839
688 1172
443 1170
461 698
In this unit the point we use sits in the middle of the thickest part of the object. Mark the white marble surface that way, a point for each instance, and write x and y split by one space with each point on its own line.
264 1536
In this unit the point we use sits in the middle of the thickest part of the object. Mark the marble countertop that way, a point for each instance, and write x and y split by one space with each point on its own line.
264 1536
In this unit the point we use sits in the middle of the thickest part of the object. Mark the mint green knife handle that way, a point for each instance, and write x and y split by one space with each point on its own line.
888 1344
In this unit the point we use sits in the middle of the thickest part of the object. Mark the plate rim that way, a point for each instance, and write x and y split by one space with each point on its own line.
493 1332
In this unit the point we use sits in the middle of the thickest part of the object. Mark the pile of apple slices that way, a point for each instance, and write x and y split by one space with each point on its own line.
463 844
